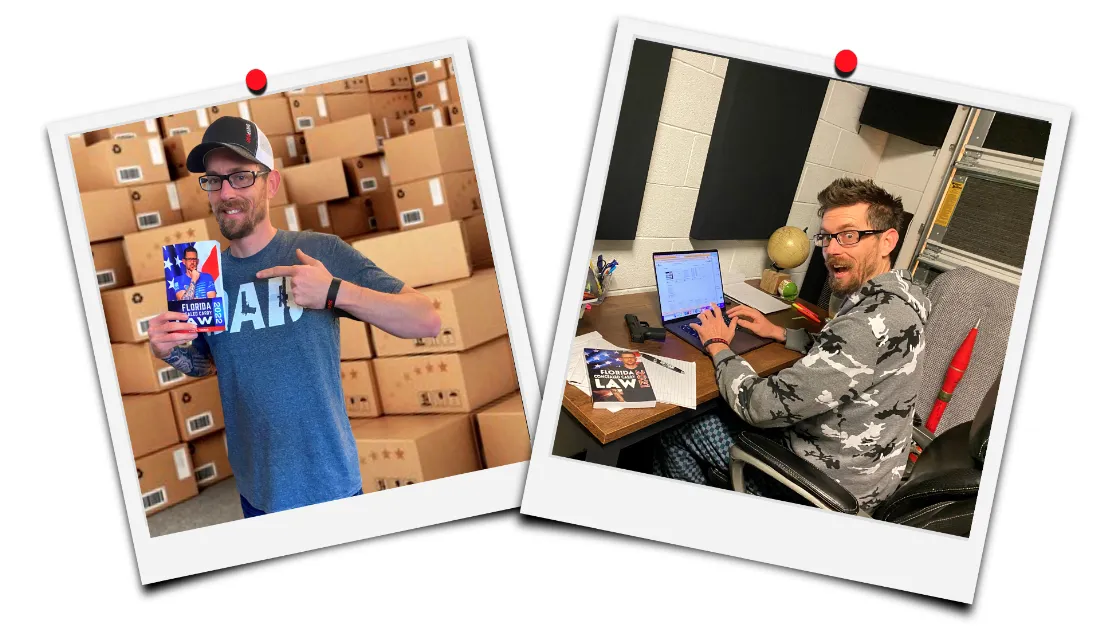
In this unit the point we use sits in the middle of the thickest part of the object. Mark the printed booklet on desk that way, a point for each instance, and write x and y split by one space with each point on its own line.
194 283
618 379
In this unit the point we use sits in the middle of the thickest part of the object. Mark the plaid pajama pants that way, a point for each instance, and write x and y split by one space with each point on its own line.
684 451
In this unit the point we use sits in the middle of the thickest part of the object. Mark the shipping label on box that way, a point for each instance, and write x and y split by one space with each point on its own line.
156 205
428 153
110 266
144 250
197 408
108 214
129 311
366 174
428 255
210 459
436 95
151 423
139 372
446 383
470 313
166 478
428 72
348 138
308 111
184 122
122 163
503 431
359 389
437 200
395 451
272 116
397 79
316 182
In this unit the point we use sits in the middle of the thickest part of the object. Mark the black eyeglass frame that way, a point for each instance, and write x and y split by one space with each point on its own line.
828 237
225 178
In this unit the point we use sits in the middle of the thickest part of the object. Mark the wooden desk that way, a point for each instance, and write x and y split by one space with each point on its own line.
608 429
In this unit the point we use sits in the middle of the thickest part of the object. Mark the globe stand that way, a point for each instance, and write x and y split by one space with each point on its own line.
771 278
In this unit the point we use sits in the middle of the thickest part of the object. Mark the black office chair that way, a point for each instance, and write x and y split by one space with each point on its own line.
939 494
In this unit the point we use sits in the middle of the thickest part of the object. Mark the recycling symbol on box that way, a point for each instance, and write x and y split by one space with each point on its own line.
137 298
135 195
400 193
116 148
186 397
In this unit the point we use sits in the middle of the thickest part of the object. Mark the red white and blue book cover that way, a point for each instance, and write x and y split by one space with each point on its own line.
618 379
194 283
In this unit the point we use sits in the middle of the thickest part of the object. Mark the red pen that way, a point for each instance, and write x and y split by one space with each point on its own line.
807 313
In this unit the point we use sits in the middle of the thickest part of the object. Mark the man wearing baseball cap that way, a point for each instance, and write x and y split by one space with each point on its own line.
278 361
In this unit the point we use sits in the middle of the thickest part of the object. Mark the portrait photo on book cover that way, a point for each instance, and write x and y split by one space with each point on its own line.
302 306
828 280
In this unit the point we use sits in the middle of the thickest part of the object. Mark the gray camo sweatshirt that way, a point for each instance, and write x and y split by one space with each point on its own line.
847 406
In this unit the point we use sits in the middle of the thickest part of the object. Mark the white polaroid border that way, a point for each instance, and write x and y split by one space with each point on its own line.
742 525
313 527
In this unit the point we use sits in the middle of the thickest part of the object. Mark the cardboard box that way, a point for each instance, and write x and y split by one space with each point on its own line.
236 109
387 128
456 382
314 218
166 478
110 265
428 72
273 117
95 136
354 337
437 95
360 390
437 200
139 372
197 407
351 217
156 205
108 214
392 105
138 129
345 86
396 451
281 196
424 120
128 310
454 114
77 142
316 182
470 311
184 122
151 423
428 153
503 432
144 250
366 174
420 257
478 243
194 202
343 106
397 79
215 231
210 457
383 210
178 148
348 138
121 164
291 147
308 110
284 217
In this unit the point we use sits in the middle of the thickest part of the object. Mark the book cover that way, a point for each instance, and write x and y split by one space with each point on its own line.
618 379
194 283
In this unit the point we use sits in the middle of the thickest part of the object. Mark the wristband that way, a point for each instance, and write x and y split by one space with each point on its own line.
332 293
714 340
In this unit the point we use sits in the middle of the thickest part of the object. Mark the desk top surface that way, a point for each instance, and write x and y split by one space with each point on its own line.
609 320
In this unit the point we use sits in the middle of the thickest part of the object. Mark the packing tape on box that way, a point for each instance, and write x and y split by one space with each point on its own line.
203 117
182 464
443 91
243 107
438 118
173 196
436 191
321 102
324 216
155 146
438 63
292 152
149 124
293 218
384 167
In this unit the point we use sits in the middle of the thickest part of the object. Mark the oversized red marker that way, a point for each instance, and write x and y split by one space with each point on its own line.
845 63
256 81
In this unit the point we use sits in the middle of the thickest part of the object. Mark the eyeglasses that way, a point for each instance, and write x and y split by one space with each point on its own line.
846 238
190 260
240 179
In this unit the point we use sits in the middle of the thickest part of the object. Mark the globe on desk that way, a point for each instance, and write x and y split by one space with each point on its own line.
788 247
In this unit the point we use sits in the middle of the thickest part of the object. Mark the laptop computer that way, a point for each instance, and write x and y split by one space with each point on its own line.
688 283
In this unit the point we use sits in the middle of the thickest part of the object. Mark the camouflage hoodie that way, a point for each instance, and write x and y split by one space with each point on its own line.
847 406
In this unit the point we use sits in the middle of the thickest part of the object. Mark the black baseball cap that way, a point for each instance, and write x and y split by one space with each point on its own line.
236 134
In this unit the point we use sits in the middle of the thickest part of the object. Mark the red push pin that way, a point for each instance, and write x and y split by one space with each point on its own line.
845 63
256 81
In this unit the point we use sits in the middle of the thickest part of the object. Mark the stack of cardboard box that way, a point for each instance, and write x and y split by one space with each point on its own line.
336 145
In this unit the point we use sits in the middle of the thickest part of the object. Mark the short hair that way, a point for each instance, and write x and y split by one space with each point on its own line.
884 211
190 249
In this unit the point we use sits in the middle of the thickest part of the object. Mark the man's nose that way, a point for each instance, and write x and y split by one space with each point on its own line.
227 191
833 247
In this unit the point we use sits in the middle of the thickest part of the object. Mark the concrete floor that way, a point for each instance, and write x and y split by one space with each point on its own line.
219 503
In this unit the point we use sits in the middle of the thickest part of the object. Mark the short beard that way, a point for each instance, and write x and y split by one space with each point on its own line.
856 277
254 210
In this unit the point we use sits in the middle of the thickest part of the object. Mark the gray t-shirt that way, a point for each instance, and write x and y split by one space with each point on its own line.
279 373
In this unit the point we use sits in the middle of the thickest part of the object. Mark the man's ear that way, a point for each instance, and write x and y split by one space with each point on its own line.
273 183
888 242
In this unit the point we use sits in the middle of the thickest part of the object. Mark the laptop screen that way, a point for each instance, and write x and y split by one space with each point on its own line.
687 282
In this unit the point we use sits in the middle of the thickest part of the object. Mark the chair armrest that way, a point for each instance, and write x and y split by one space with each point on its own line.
785 467
961 484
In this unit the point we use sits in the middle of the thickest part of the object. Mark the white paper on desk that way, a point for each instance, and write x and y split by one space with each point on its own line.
670 386
751 296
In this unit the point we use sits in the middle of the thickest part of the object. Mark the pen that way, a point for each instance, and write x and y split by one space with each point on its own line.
659 362
807 313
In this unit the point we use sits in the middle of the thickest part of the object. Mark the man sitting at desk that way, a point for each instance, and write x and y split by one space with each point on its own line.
847 406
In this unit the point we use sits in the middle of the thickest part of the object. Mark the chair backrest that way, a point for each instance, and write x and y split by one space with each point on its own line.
960 297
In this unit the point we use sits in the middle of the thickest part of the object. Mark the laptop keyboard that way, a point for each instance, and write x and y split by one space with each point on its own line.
691 331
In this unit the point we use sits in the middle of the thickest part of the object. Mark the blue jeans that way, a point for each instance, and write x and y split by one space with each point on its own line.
249 511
